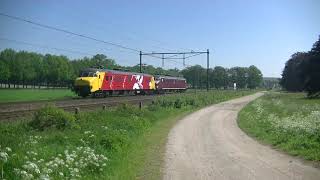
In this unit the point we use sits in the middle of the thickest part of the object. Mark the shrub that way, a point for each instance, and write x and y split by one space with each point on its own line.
52 117
115 139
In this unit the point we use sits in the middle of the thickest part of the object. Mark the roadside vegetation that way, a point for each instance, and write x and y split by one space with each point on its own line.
20 95
124 142
288 121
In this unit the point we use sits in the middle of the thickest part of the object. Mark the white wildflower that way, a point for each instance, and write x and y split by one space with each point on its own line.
8 149
4 156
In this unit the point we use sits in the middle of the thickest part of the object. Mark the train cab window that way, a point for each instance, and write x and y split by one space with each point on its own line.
85 74
89 74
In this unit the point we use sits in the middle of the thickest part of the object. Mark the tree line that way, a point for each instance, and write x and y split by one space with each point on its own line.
29 68
223 78
302 72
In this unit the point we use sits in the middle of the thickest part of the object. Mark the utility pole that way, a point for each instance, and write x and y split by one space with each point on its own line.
184 59
207 69
140 62
162 60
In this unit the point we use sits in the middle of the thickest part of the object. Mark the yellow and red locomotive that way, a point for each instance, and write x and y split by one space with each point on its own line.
104 82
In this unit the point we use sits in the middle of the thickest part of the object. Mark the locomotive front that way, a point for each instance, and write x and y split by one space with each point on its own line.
88 82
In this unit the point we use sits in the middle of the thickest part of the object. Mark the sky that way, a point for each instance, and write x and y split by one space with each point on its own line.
264 33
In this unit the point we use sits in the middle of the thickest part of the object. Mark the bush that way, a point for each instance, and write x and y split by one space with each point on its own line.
115 139
52 117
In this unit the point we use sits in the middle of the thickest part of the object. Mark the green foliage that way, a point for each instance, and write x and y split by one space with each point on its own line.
302 72
36 69
220 77
197 99
115 140
291 79
288 121
254 77
50 117
239 75
51 70
4 71
223 78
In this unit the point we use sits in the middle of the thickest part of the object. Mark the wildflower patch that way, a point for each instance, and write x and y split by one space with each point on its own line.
288 121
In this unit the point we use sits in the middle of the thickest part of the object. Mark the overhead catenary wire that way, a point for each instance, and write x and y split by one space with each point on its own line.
68 32
47 47
168 59
86 37
136 34
193 55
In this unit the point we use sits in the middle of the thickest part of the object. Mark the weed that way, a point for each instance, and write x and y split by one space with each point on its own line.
52 117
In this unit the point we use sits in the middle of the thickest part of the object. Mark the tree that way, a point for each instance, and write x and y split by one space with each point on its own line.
196 75
310 71
4 72
238 75
8 57
28 73
291 79
101 61
302 72
219 77
254 77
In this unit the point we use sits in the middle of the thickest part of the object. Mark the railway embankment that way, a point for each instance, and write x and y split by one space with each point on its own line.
123 142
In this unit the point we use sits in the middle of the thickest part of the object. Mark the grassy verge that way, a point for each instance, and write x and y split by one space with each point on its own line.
17 95
288 121
119 143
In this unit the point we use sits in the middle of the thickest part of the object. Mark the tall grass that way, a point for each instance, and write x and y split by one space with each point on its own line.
288 121
118 143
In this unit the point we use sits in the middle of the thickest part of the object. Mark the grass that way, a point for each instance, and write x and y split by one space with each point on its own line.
119 143
20 95
288 121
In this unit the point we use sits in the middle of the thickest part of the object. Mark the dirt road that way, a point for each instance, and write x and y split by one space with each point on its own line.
208 144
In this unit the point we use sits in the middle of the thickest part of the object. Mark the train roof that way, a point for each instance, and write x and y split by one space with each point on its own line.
169 77
129 73
114 71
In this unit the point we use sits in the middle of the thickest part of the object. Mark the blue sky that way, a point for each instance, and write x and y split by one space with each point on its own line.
237 32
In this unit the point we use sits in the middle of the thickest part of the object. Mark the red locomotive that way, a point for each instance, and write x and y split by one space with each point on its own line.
103 82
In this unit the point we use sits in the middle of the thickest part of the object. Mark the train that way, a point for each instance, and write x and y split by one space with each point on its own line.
105 82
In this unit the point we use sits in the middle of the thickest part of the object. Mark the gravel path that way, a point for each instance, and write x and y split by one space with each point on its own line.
208 144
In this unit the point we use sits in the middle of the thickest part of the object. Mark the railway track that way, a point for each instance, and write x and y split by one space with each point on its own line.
14 111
